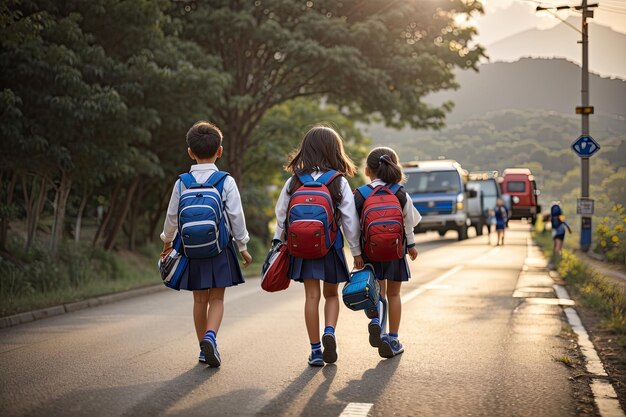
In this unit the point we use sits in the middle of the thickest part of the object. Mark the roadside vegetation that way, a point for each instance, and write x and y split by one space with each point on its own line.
611 235
590 288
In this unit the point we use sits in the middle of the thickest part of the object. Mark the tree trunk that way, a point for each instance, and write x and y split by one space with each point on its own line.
4 223
156 216
62 193
79 217
132 227
109 214
115 230
133 215
36 209
236 145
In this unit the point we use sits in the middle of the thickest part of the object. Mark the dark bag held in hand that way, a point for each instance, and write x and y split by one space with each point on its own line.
173 265
362 291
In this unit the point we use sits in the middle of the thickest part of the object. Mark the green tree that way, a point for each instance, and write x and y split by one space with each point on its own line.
367 57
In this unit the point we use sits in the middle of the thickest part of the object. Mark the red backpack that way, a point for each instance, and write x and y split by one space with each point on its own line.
382 223
310 223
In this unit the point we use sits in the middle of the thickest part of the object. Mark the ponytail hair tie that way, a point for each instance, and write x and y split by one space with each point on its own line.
386 159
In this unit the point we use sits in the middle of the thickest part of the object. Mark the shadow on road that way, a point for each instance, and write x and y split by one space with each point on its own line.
290 394
170 392
369 388
319 399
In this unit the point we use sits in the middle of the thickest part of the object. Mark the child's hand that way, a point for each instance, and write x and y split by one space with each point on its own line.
247 258
167 248
358 262
412 253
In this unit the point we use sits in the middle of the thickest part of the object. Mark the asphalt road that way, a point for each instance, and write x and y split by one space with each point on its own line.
471 349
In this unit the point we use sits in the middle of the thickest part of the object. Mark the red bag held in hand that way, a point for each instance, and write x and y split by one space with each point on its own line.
274 272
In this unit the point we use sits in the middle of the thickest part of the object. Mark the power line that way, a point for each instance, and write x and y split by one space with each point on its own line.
604 9
613 7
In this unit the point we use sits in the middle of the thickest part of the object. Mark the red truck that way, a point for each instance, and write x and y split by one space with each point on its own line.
520 185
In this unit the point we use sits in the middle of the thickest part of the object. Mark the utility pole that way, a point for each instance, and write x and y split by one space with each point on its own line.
589 146
585 221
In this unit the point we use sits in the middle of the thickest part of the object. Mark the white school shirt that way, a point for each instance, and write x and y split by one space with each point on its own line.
411 216
232 206
349 221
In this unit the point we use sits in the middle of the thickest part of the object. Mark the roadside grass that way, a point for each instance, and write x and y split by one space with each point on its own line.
592 289
565 360
32 279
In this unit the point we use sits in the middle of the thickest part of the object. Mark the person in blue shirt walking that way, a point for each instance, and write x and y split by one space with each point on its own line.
559 225
502 220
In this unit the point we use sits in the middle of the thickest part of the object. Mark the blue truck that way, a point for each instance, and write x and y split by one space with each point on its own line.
439 191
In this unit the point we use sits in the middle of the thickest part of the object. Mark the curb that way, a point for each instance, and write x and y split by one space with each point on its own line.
20 318
603 392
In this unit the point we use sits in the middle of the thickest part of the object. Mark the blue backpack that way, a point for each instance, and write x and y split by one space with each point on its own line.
201 218
555 215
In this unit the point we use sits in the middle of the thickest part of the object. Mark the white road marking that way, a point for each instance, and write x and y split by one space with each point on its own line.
356 410
487 254
594 364
606 398
548 301
424 287
603 392
435 283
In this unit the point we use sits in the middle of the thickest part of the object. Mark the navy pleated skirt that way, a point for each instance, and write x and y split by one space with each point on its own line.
393 271
220 271
331 268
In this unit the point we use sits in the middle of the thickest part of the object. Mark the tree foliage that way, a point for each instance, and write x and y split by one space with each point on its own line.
96 97
368 57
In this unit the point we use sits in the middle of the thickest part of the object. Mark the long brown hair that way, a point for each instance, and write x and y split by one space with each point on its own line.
321 150
383 162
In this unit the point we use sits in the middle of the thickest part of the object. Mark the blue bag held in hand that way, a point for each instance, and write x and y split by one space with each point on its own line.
173 265
362 291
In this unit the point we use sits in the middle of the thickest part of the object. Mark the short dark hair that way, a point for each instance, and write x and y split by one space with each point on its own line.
204 139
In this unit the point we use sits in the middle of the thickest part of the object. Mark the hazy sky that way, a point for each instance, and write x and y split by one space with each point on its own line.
503 18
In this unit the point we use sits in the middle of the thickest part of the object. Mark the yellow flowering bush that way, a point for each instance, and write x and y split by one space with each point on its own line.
611 235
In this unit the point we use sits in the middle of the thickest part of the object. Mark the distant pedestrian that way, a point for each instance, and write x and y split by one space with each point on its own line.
491 223
502 220
208 274
385 173
559 225
313 208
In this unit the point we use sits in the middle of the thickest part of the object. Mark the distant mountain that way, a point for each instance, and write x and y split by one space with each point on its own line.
531 84
607 48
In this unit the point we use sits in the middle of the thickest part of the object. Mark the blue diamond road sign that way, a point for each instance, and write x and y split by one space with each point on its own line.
585 146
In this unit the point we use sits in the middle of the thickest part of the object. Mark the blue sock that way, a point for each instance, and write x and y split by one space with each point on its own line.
211 335
375 320
316 346
329 329
393 335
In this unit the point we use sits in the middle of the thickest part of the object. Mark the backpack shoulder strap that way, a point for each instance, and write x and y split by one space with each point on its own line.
304 178
402 196
328 177
188 180
395 187
365 191
217 180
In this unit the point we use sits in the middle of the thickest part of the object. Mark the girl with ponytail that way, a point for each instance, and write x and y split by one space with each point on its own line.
383 169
